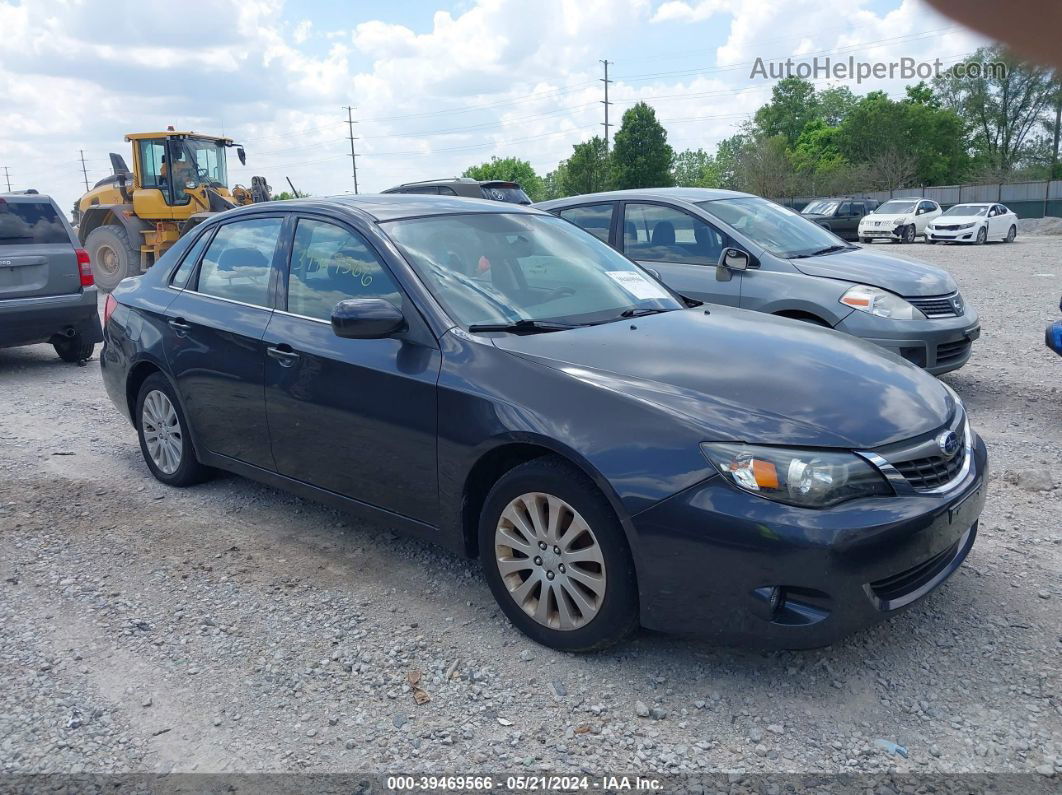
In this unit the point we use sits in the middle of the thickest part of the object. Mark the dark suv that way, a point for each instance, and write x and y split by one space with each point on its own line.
840 214
495 190
46 287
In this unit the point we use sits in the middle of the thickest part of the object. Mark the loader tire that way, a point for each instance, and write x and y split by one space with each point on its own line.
113 256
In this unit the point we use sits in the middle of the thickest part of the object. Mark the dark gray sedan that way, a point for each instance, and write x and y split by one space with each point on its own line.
493 379
784 265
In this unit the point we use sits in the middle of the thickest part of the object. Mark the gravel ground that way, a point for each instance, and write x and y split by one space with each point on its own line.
230 627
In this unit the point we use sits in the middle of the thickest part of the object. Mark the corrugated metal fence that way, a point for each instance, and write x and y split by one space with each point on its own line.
1026 199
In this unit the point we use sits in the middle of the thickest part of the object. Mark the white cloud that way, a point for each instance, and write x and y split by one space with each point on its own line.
494 77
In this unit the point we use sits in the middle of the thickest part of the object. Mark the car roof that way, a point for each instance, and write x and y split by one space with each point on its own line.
23 196
975 204
681 194
389 206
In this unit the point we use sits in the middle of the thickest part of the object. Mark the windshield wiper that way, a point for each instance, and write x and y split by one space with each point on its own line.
827 250
523 326
641 312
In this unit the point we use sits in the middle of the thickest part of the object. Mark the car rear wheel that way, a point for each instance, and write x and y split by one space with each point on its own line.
163 431
113 256
1012 233
982 236
73 349
556 558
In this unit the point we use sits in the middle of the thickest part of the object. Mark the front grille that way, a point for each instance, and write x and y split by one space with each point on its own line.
944 228
894 588
932 471
950 351
939 305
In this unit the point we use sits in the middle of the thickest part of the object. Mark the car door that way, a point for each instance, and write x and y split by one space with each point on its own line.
851 231
594 218
36 250
214 344
841 223
684 249
354 416
997 221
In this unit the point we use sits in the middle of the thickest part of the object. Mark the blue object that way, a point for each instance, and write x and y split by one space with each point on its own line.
1054 337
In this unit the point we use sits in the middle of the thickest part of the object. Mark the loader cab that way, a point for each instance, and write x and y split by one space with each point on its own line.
168 166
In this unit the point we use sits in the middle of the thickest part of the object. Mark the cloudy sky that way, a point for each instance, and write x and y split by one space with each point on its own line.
438 85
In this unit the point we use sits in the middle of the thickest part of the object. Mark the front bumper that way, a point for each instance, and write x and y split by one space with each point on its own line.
711 555
27 321
952 236
938 345
881 233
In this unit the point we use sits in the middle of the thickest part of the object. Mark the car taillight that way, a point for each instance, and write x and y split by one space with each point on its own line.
108 308
84 266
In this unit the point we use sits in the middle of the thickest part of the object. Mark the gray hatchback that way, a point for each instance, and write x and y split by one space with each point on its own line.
738 249
46 286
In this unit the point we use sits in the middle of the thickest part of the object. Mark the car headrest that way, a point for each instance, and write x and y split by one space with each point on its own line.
663 234
242 257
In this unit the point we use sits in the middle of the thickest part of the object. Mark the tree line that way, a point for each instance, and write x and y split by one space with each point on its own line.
1000 127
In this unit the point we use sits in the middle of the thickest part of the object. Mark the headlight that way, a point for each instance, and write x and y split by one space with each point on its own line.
967 226
882 303
807 478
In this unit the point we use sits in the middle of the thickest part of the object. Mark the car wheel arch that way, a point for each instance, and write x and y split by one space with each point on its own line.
505 455
807 317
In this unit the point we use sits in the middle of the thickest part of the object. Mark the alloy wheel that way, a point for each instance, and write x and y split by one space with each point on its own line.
550 561
982 235
162 431
909 234
1011 234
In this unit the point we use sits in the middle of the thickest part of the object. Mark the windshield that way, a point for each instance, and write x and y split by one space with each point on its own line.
821 207
206 157
487 268
30 222
896 207
780 231
967 209
505 192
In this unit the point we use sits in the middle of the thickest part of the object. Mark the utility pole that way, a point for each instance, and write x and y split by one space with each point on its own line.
7 176
1058 124
606 103
353 157
84 173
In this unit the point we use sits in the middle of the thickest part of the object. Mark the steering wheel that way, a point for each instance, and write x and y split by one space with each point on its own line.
560 292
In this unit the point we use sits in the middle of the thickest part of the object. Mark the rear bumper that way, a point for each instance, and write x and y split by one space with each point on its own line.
26 321
713 554
938 345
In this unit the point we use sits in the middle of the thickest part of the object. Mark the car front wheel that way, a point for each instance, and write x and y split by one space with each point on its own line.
982 236
908 234
163 431
556 558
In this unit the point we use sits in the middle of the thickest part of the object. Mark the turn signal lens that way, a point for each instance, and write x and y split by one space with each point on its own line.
84 267
109 306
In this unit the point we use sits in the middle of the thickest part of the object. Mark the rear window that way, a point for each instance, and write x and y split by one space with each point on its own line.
30 222
505 192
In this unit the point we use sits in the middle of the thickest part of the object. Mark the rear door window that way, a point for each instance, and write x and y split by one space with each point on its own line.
594 218
237 265
505 192
28 223
654 233
191 257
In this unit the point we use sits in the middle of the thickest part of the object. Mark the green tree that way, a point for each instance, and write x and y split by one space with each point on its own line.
588 169
793 104
922 94
726 158
763 166
695 168
1002 107
641 155
834 104
509 169
287 194
553 182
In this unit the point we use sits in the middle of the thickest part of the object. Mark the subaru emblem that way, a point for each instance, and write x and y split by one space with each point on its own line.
948 443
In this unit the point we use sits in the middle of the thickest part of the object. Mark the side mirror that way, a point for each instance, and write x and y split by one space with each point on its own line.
734 259
366 319
653 272
242 155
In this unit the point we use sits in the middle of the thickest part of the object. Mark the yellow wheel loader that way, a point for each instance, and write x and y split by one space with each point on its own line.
129 219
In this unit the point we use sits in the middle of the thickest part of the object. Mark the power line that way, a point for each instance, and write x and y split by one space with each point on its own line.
353 157
605 102
84 173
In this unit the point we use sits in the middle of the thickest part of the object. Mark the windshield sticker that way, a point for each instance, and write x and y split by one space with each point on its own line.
637 285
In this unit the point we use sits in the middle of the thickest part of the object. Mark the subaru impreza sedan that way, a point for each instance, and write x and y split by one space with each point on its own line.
496 380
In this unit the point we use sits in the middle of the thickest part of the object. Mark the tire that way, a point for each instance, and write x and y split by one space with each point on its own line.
865 240
908 234
73 350
603 559
113 256
1012 233
982 236
171 458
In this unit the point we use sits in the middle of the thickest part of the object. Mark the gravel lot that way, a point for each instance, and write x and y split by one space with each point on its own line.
230 627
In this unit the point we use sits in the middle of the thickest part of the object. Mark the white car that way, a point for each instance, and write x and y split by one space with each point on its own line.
898 219
974 223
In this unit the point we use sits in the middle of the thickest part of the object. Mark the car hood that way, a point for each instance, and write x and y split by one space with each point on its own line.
816 216
736 375
891 273
957 219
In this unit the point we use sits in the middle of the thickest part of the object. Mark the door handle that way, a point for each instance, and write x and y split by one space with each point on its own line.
283 354
180 324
